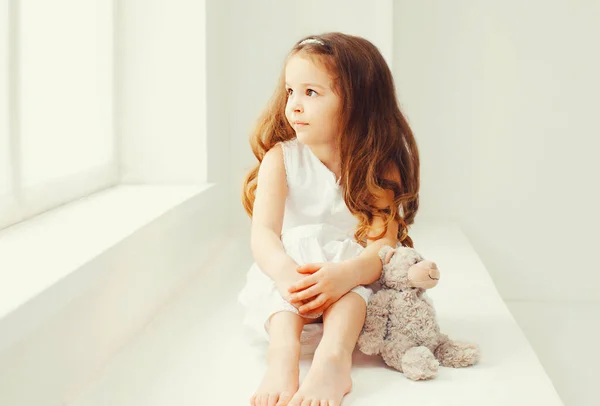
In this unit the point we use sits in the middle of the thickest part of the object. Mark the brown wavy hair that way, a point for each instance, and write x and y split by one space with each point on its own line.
377 148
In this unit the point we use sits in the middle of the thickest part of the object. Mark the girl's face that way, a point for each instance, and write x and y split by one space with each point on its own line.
312 107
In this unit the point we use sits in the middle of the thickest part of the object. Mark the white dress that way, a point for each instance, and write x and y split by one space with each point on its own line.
317 227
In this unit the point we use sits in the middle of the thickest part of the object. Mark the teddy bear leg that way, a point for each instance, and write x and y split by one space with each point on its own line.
371 339
418 363
394 350
456 354
370 342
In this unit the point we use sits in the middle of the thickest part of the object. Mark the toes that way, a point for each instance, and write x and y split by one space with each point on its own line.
255 400
296 401
264 399
272 399
308 402
284 399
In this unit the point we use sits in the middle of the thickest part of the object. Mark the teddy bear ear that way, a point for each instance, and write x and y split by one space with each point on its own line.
383 253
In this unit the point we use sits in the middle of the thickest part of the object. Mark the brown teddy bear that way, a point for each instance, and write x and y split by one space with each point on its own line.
401 321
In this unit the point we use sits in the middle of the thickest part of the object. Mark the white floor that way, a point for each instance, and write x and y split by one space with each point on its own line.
564 337
189 354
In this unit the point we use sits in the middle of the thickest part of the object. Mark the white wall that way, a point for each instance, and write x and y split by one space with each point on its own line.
5 171
265 31
221 94
503 98
161 96
500 96
174 92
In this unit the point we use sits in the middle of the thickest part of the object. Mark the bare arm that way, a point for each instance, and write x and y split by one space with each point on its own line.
366 268
269 254
267 219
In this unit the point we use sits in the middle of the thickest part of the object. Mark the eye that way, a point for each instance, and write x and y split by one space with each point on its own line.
289 91
310 90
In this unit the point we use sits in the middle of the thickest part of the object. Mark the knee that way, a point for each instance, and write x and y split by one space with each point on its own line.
351 303
283 322
357 301
357 297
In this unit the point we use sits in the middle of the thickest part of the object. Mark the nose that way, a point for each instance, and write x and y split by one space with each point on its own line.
434 272
295 104
298 108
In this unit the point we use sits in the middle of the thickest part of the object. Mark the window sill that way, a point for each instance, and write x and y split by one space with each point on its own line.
49 260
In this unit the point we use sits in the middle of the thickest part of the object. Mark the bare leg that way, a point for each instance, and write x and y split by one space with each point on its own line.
329 377
281 378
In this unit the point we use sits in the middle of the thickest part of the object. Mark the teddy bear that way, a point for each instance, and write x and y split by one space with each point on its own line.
401 321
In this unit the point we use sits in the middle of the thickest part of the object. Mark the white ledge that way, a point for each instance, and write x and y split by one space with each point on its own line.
40 251
78 282
194 350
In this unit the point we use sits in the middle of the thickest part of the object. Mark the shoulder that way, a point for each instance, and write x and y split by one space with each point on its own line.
271 191
273 159
286 154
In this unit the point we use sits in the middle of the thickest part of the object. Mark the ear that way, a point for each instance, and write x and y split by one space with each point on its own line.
389 255
385 254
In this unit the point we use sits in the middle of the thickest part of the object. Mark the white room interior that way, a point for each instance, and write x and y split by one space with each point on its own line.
118 282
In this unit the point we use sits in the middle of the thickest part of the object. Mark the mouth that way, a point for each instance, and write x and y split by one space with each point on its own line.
300 123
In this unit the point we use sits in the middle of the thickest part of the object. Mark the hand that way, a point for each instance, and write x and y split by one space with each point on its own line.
327 282
283 286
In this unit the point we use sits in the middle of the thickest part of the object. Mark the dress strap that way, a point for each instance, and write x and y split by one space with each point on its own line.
290 158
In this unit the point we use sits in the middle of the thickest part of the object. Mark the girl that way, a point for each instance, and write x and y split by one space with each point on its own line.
337 161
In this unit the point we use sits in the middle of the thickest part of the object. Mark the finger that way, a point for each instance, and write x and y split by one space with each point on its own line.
305 294
318 310
302 284
319 301
310 268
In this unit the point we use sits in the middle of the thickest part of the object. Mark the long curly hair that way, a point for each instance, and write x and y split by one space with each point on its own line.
377 148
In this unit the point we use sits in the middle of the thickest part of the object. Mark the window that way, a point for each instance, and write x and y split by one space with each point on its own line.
57 139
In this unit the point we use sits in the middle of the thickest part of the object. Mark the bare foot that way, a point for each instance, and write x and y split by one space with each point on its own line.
281 378
327 381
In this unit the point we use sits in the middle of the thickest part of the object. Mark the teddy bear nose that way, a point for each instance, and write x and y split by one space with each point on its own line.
434 272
